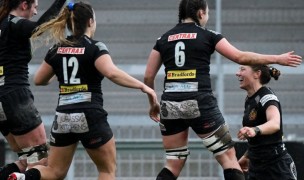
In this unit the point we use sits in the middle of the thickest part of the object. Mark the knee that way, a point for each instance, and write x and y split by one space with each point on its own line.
110 168
220 141
59 173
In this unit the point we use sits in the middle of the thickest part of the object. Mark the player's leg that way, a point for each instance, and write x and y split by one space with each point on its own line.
100 143
221 145
22 127
216 137
104 158
176 155
17 166
59 162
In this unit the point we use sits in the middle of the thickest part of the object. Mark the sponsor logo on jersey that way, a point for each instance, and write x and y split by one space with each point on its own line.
70 50
73 89
181 87
268 97
65 99
182 74
1 70
252 115
179 36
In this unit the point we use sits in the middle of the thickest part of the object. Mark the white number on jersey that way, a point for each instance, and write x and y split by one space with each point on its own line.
72 62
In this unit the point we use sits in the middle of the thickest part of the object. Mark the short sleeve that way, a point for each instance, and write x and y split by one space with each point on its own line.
215 37
100 49
23 25
51 52
269 99
156 46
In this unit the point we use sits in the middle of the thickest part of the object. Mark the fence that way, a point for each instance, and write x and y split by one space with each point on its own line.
143 159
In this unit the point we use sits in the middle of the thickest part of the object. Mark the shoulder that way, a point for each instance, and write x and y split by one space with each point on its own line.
17 19
212 32
95 44
267 95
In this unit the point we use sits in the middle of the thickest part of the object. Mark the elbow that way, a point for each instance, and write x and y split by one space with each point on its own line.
111 75
40 82
149 80
276 127
241 57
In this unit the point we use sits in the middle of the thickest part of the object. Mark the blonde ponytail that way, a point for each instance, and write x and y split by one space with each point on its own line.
56 28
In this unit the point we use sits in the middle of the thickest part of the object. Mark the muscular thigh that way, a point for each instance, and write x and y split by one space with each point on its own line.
89 126
18 114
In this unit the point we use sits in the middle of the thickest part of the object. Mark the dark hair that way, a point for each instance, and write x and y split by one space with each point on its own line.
189 8
74 16
266 73
8 5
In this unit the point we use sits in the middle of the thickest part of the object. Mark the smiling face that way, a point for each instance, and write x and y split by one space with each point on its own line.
247 77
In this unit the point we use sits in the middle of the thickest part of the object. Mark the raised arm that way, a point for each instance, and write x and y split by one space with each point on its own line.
250 58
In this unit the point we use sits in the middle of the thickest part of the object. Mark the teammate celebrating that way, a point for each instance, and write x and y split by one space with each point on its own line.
263 127
187 100
20 122
80 64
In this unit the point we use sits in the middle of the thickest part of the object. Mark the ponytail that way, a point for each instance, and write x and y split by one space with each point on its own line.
266 73
73 17
56 28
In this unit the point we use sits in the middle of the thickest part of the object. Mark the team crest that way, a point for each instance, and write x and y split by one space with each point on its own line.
252 115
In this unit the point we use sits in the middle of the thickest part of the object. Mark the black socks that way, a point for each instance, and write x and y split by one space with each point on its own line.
233 174
165 174
33 174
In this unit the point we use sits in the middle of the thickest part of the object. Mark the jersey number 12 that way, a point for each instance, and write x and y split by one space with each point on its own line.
72 62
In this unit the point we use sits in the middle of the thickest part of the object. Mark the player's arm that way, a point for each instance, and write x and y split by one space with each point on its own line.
250 58
153 66
44 74
273 123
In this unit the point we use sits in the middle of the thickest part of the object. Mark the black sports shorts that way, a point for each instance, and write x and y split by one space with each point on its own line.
180 111
281 169
18 115
90 126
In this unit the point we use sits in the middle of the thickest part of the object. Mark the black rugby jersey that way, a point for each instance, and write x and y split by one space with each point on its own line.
79 80
255 114
185 52
15 47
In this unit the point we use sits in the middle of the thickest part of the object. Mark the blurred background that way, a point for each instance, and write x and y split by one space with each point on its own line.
130 28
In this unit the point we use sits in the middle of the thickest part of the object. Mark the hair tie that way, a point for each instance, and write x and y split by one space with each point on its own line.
70 6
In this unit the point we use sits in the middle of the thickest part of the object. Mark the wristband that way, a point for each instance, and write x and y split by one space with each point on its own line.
257 131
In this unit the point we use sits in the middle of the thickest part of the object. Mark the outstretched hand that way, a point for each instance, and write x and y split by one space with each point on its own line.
289 59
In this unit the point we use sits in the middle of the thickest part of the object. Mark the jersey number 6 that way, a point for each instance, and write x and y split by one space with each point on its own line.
180 54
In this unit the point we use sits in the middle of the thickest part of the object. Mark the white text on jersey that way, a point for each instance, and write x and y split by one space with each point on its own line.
70 50
179 36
